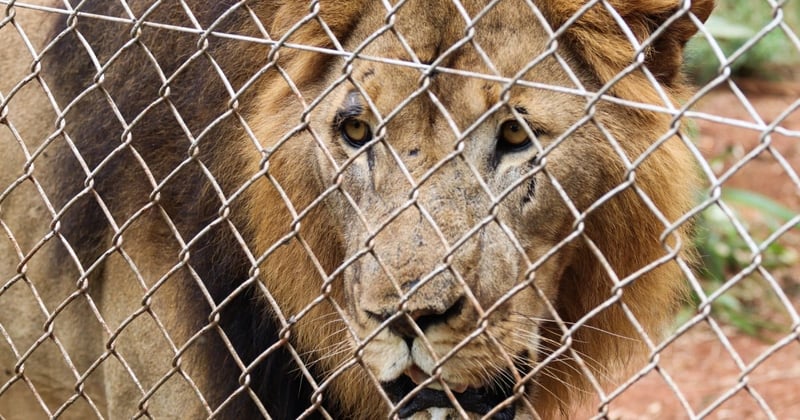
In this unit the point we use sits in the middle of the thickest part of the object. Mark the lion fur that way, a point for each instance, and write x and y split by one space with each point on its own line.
145 303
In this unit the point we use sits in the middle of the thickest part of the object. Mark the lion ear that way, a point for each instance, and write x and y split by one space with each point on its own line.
665 55
605 45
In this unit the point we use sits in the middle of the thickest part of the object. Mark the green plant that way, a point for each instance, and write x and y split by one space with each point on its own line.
736 22
725 253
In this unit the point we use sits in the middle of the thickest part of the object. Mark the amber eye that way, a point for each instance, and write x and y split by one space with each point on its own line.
355 132
512 136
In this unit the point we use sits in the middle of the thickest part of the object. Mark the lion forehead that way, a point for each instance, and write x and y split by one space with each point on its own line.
468 67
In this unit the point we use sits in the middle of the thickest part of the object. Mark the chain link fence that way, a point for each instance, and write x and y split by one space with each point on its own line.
401 209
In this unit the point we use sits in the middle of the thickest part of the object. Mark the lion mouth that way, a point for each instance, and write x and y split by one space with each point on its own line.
474 400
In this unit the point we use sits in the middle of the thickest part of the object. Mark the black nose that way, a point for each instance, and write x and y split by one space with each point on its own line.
423 317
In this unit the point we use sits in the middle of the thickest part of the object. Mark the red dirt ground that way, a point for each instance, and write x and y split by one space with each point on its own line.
706 372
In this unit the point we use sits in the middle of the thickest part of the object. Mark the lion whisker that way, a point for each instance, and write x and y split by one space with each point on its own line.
567 323
595 366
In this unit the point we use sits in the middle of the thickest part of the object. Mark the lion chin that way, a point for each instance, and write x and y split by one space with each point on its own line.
342 209
410 385
437 404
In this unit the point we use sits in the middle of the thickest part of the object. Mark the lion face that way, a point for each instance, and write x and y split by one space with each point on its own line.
467 203
452 195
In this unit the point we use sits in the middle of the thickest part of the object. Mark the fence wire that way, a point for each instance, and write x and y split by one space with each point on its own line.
401 209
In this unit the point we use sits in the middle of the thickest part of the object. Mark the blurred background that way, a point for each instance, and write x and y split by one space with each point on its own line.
736 353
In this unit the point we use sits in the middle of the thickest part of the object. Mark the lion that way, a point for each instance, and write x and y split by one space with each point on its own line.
338 209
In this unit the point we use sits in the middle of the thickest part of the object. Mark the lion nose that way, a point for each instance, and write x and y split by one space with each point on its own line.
423 316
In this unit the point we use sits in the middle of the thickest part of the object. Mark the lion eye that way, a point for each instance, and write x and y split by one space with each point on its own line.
356 132
513 136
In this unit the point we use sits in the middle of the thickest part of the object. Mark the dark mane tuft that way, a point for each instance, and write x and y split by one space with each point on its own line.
132 89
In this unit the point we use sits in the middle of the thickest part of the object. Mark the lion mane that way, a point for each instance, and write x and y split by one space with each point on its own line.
195 253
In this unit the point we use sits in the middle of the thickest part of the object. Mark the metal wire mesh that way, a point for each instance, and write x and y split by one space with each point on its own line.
447 209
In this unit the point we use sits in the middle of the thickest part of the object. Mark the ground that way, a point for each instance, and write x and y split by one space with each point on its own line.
701 371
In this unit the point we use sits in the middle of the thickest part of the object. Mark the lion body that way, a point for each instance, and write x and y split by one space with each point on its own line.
193 235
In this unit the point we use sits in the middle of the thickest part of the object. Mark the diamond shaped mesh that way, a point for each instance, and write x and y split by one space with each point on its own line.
400 209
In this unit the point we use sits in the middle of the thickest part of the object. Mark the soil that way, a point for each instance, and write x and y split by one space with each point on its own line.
714 370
